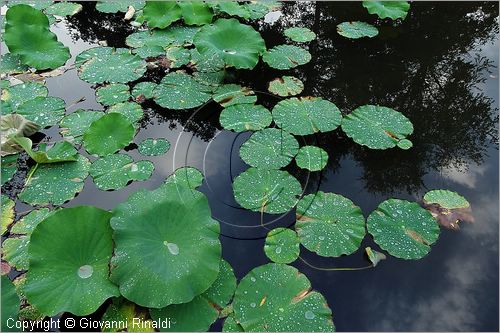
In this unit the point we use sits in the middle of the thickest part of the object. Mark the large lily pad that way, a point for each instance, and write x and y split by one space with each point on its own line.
154 147
329 224
150 38
44 111
149 51
160 236
74 125
282 245
403 228
8 212
311 158
113 94
286 86
108 134
300 34
278 298
356 29
179 91
9 167
385 9
245 117
286 56
270 148
10 305
130 110
377 127
160 14
303 116
69 262
196 12
269 191
448 208
186 176
232 94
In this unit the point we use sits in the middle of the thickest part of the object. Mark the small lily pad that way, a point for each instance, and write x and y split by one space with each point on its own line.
130 110
286 56
154 147
75 124
113 94
160 14
9 167
356 29
186 176
286 86
61 151
448 208
63 9
311 158
245 117
108 134
300 34
143 91
385 9
179 91
10 304
232 94
446 199
45 111
282 245
8 212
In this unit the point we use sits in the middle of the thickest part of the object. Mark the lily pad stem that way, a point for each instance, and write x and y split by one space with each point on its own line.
31 174
335 268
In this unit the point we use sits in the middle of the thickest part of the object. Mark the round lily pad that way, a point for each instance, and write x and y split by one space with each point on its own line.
446 199
232 94
10 304
15 96
186 176
403 228
131 110
116 171
245 117
329 224
154 147
108 134
282 245
356 29
208 62
269 191
377 127
115 6
286 86
286 56
143 91
161 38
311 158
69 255
9 167
74 125
113 94
270 148
385 9
309 115
162 235
196 13
8 213
160 14
300 34
179 91
44 111
278 298
63 9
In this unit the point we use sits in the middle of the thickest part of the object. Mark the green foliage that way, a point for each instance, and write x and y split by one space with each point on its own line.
63 9
232 94
115 6
154 147
282 245
75 124
311 158
387 9
9 167
446 199
61 151
11 64
286 86
108 134
160 14
356 29
130 110
143 91
286 56
10 303
8 213
15 96
113 94
300 34
245 117
44 111
179 90
186 177
13 126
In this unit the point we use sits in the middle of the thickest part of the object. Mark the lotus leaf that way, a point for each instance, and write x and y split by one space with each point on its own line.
286 56
37 4
14 126
179 91
230 325
44 111
127 313
9 167
154 147
233 8
115 6
311 158
8 212
196 12
74 125
374 256
403 228
286 86
356 29
186 176
55 183
238 44
182 35
143 38
178 56
446 199
63 9
232 94
300 34
61 151
149 51
259 9
160 14
269 191
113 94
329 224
376 127
10 304
130 110
245 117
282 245
11 64
143 91
208 62
69 262
385 9
309 115
108 134
210 79
278 298
16 95
116 171
448 208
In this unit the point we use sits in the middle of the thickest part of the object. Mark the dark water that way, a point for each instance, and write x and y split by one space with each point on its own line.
438 67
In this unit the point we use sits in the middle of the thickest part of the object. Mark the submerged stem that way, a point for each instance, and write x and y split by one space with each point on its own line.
335 268
32 171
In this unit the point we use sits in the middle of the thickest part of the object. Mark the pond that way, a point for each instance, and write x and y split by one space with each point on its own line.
438 67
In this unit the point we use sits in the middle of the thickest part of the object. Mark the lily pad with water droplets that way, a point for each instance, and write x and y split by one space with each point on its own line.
269 191
186 176
300 34
9 167
286 56
69 255
403 228
149 51
150 38
113 94
179 91
154 147
130 110
311 158
209 62
11 64
448 208
115 6
196 12
286 86
75 124
233 8
303 116
8 212
10 304
108 134
385 9
356 29
446 199
377 127
230 325
160 14
16 95
282 245
232 94
329 224
61 151
270 148
63 9
278 298
143 91
45 111
178 56
125 315
245 117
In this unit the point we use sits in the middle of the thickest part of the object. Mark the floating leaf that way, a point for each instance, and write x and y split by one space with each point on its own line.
154 147
161 38
300 34
230 325
376 127
282 245
130 110
356 29
270 148
309 115
63 9
403 228
37 4
160 14
232 94
69 255
143 91
186 176
61 151
8 212
149 51
10 305
14 126
195 12
74 125
311 158
178 56
123 315
115 6
179 91
245 117
385 9
286 56
449 208
113 94
11 64
9 167
16 95
108 134
278 298
374 256
44 111
446 199
286 86
209 62
269 191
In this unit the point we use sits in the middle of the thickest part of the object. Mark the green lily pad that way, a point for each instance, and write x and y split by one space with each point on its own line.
269 191
113 94
115 171
238 44
143 91
37 4
186 176
61 151
286 56
11 64
75 124
55 183
126 316
149 51
10 304
161 38
69 255
16 95
232 94
9 167
182 35
356 29
270 148
278 298
179 91
154 147
63 9
259 9
160 14
196 13
446 199
245 117
309 115
108 134
311 158
329 224
233 8
385 9
230 325
97 52
178 56
376 127
13 126
130 110
27 34
159 236
448 208
115 6
8 212
210 79
45 111
282 245
209 62
300 34
374 256
403 228
286 86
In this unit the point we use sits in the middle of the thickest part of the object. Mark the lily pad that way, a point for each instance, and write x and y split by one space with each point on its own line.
269 191
113 94
11 64
178 56
61 151
63 9
403 228
286 56
309 115
75 124
149 51
385 9
108 134
13 126
196 12
286 86
161 38
311 158
160 14
356 29
300 34
37 4
159 236
10 304
130 110
143 91
270 148
45 111
154 147
15 96
376 127
282 245
232 94
446 199
123 315
179 91
374 256
9 167
209 62
245 117
448 208
233 8
115 6
8 212
73 245
278 298
230 325
186 176
329 224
